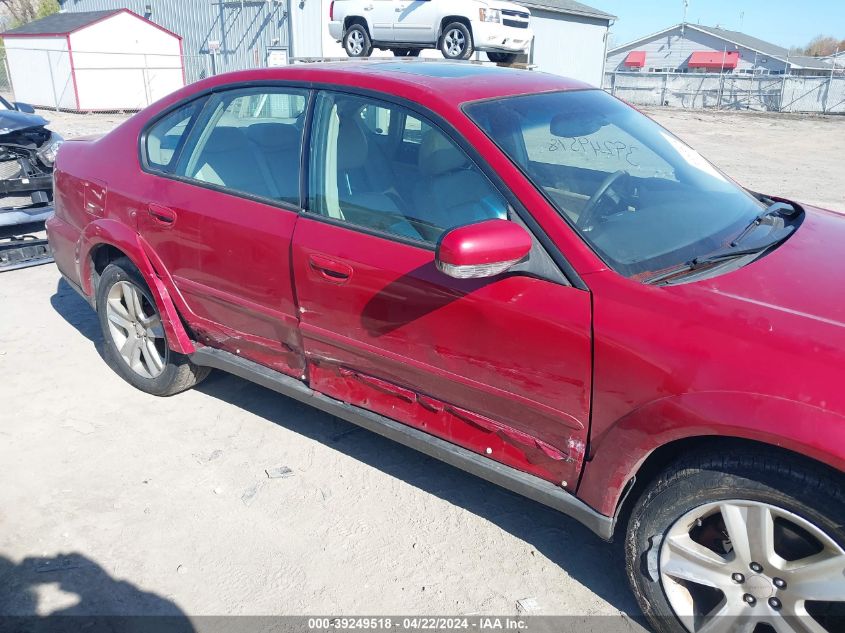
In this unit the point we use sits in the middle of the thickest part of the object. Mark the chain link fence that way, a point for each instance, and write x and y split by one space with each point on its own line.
785 93
84 81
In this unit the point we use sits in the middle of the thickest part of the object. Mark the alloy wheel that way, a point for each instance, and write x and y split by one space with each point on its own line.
749 567
355 43
136 330
455 43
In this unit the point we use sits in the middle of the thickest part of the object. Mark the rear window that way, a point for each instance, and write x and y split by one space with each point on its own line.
165 138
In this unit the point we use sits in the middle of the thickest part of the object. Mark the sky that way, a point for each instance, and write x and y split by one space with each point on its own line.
783 22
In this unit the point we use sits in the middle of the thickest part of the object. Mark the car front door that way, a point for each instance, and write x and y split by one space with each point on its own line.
380 15
416 21
238 185
500 366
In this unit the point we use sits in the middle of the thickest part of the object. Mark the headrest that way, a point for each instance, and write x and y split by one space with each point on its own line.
274 135
351 145
439 156
225 139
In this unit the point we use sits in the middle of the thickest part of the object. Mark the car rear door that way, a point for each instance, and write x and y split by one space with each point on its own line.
172 245
416 21
500 366
233 201
380 16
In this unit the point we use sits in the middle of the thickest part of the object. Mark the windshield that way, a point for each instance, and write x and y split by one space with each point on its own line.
644 200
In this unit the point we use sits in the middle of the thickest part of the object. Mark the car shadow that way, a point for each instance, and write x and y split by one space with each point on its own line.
597 565
582 555
72 308
99 600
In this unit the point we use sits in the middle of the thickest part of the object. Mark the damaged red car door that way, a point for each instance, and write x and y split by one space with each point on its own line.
240 172
499 365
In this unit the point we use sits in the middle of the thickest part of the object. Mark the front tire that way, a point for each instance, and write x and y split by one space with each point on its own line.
456 42
357 42
735 541
135 342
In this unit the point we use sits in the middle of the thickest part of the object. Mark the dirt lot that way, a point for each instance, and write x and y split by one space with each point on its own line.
117 502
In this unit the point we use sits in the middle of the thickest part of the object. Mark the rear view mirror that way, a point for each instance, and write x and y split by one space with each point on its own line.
576 124
24 107
485 249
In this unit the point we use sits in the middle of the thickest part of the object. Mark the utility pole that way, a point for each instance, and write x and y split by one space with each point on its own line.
783 83
830 81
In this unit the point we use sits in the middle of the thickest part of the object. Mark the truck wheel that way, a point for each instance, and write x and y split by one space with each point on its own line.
502 58
747 540
357 42
135 342
456 42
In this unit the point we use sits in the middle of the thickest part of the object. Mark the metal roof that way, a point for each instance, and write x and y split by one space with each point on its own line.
746 41
568 6
805 61
61 23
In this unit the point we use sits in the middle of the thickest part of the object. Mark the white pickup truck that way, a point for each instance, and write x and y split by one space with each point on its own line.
457 27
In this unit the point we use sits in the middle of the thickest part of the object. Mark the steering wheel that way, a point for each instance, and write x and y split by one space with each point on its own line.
586 217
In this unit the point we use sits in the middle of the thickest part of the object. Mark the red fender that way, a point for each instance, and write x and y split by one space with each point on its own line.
118 235
802 428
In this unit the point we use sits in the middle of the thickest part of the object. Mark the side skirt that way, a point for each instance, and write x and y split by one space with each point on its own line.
509 478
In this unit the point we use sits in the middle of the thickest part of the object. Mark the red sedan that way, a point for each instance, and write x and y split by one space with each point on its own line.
509 271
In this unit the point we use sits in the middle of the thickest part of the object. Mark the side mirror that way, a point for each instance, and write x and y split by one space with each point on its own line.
485 249
24 107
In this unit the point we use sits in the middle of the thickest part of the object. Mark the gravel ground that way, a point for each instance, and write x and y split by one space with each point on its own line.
117 502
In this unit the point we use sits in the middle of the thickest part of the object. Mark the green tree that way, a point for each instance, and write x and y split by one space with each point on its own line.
24 11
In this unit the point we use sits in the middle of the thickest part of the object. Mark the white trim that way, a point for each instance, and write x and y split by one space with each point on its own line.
613 51
584 14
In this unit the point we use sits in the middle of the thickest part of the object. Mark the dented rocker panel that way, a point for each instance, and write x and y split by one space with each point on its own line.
502 475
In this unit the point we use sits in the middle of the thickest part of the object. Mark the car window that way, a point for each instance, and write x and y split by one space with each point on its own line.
416 185
376 119
644 200
413 131
251 143
606 150
164 138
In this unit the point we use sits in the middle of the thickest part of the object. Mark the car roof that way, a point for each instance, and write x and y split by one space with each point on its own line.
453 83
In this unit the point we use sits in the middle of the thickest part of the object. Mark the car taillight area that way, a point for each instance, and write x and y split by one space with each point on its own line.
331 11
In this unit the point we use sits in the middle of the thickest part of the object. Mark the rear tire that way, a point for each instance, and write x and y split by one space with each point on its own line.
456 42
695 543
135 344
357 42
502 58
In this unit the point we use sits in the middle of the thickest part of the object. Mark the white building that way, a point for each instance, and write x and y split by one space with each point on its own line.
95 60
690 48
570 38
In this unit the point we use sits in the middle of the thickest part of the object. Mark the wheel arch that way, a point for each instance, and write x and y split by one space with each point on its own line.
640 445
446 21
356 19
106 240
